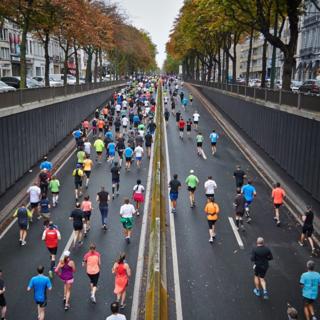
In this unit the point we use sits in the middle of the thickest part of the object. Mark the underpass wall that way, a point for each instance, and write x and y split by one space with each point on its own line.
290 139
26 137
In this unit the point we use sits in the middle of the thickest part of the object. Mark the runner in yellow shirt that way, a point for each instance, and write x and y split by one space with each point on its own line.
87 164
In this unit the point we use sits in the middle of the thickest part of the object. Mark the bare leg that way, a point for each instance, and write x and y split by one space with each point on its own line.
306 310
256 282
68 292
263 284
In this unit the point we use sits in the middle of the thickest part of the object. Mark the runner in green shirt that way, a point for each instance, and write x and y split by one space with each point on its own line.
191 99
81 155
99 145
199 139
192 182
54 185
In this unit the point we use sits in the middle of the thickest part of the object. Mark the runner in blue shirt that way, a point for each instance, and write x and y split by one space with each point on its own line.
40 283
128 154
109 134
213 137
112 150
184 103
46 164
136 122
77 134
249 193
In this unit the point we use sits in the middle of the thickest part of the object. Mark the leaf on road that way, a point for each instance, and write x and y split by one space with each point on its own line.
236 251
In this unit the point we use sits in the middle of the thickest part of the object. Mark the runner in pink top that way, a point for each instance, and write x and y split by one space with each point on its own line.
86 207
93 261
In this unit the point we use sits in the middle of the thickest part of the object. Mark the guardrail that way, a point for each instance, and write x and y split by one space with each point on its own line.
24 96
156 297
308 102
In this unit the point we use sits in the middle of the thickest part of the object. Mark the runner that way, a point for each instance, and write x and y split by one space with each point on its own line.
137 195
173 106
93 261
278 195
120 147
78 219
80 144
184 103
193 183
249 193
128 154
99 145
112 150
261 256
86 127
196 117
94 128
127 211
117 125
3 303
307 228
67 269
181 128
138 151
309 282
209 186
152 127
166 115
34 193
114 307
212 210
239 202
86 207
110 120
214 137
78 175
87 167
77 134
103 197
40 283
174 186
81 155
191 99
149 140
239 175
122 270
115 177
46 164
178 114
199 139
44 210
181 96
51 237
87 146
124 122
23 215
189 123
44 181
100 127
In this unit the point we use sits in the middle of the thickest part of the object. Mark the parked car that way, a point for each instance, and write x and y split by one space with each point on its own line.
310 86
295 85
36 83
5 88
60 77
268 82
257 83
15 82
278 85
52 82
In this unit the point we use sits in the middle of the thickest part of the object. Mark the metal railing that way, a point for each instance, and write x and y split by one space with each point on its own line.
304 101
24 96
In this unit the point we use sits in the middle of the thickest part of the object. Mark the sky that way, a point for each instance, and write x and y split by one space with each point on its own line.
155 16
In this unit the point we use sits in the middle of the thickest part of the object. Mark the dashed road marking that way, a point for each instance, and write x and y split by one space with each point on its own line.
236 233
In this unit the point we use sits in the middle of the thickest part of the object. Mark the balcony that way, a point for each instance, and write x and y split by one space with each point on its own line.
311 19
309 51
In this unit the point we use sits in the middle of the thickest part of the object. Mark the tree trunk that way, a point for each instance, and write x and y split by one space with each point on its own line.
65 64
210 69
264 63
100 64
202 71
214 72
227 68
95 65
77 64
23 71
47 60
197 69
219 65
249 56
234 64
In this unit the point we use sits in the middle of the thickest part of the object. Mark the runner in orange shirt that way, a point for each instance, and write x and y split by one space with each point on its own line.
278 195
100 126
212 210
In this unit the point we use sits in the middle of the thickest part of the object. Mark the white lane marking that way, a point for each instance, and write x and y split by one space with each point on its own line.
67 245
204 155
176 280
8 227
236 233
140 260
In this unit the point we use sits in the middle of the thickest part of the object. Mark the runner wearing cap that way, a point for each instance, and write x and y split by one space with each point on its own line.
193 183
278 195
78 175
307 228
51 237
67 269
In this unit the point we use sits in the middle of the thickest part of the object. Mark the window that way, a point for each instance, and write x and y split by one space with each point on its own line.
4 35
5 53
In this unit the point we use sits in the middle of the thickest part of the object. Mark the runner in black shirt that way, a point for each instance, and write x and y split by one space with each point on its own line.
3 303
178 114
173 106
115 177
239 202
239 175
166 116
307 228
117 125
120 146
175 186
189 123
110 119
148 139
77 217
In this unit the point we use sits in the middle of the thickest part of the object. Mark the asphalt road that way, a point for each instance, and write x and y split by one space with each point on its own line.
19 264
217 279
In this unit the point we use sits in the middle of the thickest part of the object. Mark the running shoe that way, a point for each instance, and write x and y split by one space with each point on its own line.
96 158
56 202
80 243
191 205
105 227
123 305
38 217
313 251
172 210
210 240
50 274
138 213
278 223
275 218
243 229
80 194
249 219
66 307
301 244
64 298
118 193
118 302
257 292
23 243
213 235
85 234
113 196
93 298
314 318
265 295
77 199
74 246
128 240
53 204
20 240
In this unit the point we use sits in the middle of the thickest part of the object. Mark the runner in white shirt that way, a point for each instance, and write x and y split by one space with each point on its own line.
138 151
209 186
124 104
124 121
196 117
118 108
126 212
87 146
35 195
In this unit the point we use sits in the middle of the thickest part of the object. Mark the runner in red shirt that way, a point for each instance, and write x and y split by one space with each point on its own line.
181 127
51 237
278 195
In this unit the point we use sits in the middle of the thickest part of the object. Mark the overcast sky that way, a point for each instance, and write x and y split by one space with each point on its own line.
155 16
